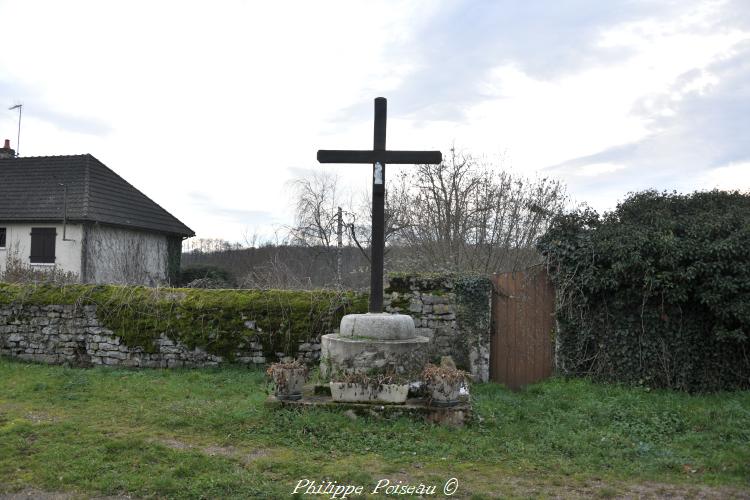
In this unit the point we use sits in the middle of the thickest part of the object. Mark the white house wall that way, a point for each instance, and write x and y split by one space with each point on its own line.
125 256
67 253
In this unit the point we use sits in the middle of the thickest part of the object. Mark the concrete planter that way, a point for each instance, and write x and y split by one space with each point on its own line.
289 382
444 392
346 392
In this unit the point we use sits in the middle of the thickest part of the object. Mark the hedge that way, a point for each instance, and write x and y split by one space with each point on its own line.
656 292
219 321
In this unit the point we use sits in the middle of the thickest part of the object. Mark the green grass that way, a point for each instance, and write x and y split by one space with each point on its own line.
207 434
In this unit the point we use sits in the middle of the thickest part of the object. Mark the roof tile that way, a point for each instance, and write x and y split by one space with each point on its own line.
31 188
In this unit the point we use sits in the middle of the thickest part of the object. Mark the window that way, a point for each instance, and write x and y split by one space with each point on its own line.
2 237
42 245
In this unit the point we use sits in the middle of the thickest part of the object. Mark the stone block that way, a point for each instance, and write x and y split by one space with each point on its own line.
426 332
442 309
381 326
354 355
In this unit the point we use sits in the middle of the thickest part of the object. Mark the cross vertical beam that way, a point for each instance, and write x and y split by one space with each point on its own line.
378 157
378 209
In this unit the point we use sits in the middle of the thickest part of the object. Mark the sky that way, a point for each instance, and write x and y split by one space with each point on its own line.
213 109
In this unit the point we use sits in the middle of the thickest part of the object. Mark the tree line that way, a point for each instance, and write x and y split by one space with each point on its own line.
463 215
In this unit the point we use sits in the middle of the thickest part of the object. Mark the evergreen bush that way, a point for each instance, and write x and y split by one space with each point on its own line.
656 292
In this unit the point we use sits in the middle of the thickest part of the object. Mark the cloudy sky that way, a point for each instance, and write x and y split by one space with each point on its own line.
212 108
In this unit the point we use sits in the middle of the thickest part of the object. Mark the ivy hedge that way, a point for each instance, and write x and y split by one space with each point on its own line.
656 292
219 321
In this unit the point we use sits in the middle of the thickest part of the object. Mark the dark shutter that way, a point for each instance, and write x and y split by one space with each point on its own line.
42 245
2 237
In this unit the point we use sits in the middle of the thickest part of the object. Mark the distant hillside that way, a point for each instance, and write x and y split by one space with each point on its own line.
285 266
298 267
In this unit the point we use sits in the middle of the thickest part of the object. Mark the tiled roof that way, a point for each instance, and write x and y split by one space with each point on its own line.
31 189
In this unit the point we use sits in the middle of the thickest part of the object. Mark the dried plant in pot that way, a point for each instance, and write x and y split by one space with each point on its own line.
369 388
288 379
444 384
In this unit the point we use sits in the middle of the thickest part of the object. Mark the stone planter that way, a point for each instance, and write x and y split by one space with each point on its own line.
373 342
346 392
289 382
444 392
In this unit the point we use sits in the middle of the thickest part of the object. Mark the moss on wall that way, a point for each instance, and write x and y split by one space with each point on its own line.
432 283
219 321
467 338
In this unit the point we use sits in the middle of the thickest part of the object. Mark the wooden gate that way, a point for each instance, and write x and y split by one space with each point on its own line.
523 325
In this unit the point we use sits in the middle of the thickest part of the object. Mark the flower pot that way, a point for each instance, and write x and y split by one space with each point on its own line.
347 392
444 392
289 382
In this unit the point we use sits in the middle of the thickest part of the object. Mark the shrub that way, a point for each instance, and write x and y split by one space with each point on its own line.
17 271
191 274
656 292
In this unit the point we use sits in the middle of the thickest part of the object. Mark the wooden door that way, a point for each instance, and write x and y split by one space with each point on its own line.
523 326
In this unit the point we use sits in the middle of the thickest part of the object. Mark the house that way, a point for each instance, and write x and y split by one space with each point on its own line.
74 215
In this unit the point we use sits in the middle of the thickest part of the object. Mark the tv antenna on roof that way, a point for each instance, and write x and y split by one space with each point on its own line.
19 107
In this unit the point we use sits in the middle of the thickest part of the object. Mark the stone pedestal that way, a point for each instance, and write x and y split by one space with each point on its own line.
374 343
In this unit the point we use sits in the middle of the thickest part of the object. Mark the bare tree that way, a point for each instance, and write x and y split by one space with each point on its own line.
208 245
320 219
316 206
462 215
395 221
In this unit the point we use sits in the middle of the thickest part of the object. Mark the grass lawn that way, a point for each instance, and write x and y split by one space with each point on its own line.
207 434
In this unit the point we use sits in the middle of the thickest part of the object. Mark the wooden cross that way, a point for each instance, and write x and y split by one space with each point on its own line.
378 157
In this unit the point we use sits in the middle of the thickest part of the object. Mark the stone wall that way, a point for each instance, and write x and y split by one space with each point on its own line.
69 334
450 310
453 312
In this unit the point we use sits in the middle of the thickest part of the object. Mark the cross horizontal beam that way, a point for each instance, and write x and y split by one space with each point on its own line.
368 156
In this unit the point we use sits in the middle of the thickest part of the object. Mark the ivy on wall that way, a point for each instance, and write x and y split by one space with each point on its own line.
174 257
473 295
219 321
656 292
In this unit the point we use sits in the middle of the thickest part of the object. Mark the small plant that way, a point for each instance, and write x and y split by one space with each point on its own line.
288 378
373 380
444 383
18 271
433 374
382 387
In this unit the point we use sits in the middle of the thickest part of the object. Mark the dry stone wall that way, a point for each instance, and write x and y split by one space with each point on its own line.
59 334
76 335
456 322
